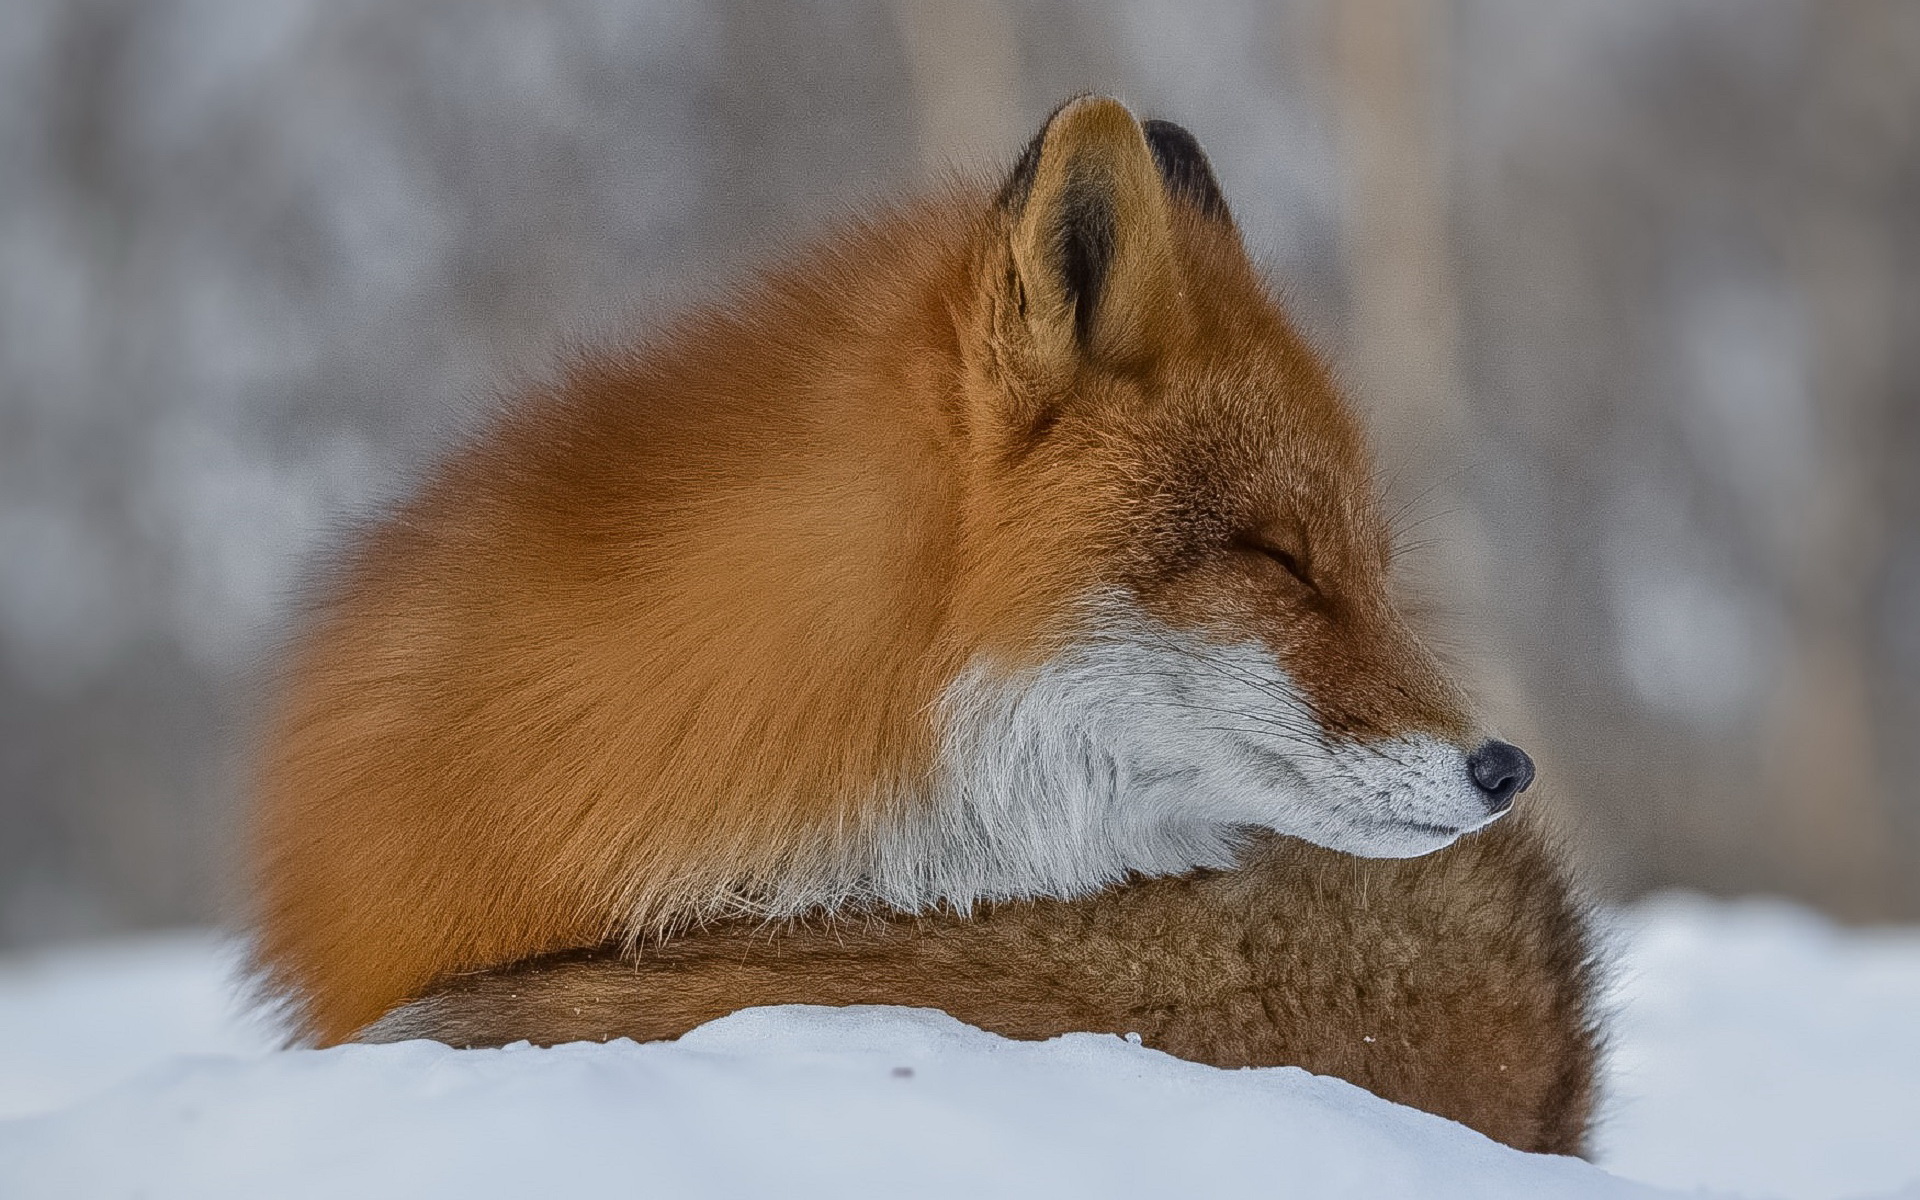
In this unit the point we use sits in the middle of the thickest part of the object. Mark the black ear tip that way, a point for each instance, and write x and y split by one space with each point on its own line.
1171 132
1184 167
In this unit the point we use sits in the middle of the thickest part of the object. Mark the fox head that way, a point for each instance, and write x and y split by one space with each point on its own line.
1172 506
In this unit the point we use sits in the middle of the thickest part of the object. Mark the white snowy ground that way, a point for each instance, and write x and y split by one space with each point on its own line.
1759 1052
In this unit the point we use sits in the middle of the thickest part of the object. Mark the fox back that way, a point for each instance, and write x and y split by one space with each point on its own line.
1007 545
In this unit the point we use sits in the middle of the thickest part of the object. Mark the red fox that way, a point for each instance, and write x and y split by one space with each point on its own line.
1006 548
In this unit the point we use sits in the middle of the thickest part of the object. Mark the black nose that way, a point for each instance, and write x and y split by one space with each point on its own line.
1502 771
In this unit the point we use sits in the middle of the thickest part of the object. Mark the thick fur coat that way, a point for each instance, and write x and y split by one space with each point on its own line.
1003 549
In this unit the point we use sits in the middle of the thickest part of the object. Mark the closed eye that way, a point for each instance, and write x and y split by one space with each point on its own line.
1286 559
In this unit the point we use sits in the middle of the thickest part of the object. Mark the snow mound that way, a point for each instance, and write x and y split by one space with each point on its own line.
792 1102
77 1019
1757 1049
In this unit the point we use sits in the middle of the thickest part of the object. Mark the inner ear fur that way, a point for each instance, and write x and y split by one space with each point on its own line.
1092 275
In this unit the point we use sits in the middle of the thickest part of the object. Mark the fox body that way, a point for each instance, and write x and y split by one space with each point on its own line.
1008 546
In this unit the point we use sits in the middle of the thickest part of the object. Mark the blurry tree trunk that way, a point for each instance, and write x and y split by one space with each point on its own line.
963 58
1390 66
1828 814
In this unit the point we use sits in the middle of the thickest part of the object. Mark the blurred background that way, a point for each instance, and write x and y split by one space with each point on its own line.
1630 290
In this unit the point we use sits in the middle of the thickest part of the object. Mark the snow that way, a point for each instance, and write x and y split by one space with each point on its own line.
1758 1051
78 1021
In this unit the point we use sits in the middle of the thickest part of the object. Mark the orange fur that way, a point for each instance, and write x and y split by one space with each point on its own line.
671 636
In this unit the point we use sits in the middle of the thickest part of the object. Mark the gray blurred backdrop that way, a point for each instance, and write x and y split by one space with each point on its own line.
1630 289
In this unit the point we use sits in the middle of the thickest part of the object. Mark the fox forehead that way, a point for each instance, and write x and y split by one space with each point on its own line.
1225 443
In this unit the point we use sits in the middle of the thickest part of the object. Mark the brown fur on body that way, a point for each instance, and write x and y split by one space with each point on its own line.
1457 983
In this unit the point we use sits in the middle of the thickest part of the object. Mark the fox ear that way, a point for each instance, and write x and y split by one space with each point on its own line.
1184 167
1092 274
